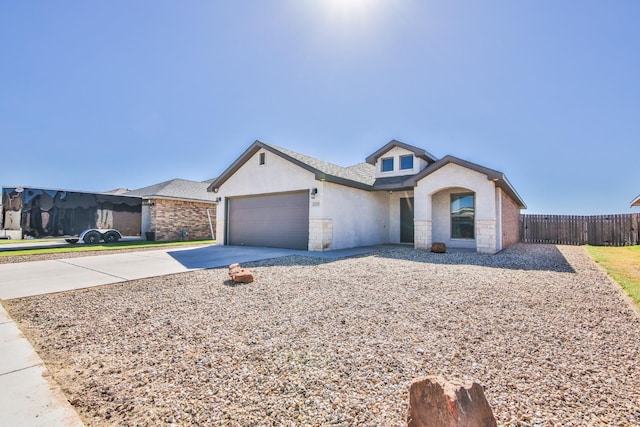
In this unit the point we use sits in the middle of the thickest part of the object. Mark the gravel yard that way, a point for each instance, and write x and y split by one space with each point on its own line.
313 342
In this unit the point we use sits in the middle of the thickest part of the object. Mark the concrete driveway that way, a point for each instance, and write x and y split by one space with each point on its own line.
42 277
28 395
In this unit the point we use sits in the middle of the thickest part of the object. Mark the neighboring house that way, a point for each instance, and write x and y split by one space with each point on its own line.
636 201
402 194
178 209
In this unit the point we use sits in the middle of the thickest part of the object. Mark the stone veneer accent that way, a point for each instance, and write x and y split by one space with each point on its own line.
510 221
170 217
486 236
320 234
422 234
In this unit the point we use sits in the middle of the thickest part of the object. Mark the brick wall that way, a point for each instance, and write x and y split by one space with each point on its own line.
510 221
127 223
170 217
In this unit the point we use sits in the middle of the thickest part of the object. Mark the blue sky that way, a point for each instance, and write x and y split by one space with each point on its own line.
100 95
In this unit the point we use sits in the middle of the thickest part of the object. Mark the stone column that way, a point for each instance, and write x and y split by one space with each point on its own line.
422 236
320 234
486 236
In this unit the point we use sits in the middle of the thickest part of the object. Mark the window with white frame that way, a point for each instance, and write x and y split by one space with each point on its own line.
387 164
406 162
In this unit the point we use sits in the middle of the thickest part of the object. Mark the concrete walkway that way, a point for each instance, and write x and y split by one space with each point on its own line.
28 395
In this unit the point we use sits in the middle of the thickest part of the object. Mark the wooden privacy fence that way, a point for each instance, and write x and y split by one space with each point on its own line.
597 230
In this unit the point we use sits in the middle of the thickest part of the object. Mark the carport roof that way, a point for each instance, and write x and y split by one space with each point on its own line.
177 189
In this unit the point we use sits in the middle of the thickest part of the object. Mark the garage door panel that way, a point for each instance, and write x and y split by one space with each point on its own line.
275 220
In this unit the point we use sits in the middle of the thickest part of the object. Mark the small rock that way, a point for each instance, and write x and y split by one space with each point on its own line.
438 247
239 274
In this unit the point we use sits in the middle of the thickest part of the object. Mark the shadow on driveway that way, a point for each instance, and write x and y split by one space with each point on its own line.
222 256
518 257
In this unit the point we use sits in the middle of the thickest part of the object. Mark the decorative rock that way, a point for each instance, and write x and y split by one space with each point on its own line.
438 247
243 276
239 274
436 402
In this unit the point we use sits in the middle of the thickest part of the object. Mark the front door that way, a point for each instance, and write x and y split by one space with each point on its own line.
406 220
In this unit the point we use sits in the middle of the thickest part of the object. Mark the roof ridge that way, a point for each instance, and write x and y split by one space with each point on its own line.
286 151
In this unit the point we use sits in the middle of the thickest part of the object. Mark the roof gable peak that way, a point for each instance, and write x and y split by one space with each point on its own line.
418 152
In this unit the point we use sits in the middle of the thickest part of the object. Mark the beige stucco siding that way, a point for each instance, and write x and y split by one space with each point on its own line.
442 219
359 217
453 176
396 153
277 175
394 214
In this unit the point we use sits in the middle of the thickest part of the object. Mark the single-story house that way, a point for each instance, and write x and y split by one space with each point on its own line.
177 209
272 196
636 201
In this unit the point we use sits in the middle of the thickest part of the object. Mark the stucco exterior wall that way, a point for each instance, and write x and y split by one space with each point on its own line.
394 214
441 208
453 176
396 153
359 218
510 221
277 175
170 217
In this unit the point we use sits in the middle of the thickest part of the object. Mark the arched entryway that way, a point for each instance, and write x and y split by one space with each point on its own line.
453 217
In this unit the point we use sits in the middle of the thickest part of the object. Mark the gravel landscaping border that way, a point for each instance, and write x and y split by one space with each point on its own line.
317 342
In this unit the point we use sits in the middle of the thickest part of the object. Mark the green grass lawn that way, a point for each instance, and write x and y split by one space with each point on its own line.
623 264
98 247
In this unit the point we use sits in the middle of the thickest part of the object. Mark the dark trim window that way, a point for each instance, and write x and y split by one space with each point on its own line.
387 164
406 162
262 158
463 216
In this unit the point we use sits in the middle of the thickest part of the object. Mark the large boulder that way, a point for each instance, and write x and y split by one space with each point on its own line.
436 402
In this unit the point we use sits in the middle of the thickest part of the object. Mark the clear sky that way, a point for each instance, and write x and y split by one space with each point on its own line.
100 95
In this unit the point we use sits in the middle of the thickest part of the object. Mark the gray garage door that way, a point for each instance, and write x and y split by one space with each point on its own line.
274 220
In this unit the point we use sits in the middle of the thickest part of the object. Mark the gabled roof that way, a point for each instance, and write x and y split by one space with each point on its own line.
636 201
410 181
419 152
178 189
362 175
358 176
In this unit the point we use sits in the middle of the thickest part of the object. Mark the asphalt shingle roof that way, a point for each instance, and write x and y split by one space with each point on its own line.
363 173
176 189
